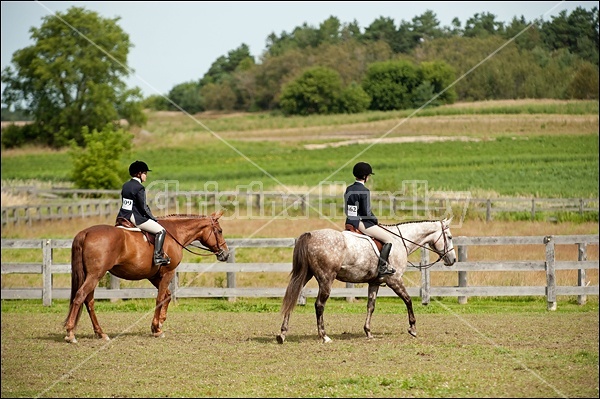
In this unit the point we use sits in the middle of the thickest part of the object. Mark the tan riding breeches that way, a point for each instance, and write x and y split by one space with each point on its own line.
149 225
377 232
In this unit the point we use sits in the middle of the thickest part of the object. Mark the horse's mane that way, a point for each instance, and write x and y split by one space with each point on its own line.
182 216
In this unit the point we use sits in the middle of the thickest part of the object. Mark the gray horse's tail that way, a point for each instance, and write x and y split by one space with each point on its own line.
78 272
299 275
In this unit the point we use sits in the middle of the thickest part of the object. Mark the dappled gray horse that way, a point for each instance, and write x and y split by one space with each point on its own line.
330 255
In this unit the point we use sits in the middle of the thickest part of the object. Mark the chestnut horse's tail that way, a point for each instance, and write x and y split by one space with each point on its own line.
78 272
299 276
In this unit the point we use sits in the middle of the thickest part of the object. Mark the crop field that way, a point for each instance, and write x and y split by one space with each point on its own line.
529 148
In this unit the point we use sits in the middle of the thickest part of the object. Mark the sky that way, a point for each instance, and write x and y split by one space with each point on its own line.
176 42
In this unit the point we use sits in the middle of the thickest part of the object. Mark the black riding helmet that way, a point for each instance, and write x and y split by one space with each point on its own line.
361 170
138 167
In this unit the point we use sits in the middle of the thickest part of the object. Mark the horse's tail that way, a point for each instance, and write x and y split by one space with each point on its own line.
298 275
78 272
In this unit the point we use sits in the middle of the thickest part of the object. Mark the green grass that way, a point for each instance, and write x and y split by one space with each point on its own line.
385 305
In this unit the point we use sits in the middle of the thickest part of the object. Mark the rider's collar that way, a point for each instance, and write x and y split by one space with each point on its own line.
136 178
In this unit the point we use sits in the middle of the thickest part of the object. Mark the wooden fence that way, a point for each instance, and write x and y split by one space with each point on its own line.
271 204
550 265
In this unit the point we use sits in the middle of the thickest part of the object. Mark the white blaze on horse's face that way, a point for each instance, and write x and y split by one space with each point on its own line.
444 246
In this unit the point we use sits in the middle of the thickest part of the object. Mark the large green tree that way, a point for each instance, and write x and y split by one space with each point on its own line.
72 77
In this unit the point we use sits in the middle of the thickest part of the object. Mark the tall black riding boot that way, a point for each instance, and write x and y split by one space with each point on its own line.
160 258
383 266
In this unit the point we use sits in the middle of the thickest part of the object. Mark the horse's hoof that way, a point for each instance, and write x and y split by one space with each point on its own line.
412 332
280 339
159 335
102 337
70 340
326 339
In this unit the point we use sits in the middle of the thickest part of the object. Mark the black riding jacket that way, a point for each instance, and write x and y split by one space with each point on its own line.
133 200
357 205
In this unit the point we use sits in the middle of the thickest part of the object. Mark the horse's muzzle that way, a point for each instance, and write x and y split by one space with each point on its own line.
449 260
223 255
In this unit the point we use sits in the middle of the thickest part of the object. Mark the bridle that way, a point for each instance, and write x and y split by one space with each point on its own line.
218 252
440 256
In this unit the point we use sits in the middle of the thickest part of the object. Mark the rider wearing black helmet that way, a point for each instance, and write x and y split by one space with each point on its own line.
357 206
135 209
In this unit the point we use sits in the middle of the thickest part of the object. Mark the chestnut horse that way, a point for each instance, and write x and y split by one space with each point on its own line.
127 254
329 255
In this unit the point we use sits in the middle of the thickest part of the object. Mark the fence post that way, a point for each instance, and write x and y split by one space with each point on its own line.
462 275
305 202
581 257
174 286
47 272
425 277
488 210
550 273
115 284
258 203
231 275
350 298
533 209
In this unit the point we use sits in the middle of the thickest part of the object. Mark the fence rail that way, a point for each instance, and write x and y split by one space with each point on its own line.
47 268
275 204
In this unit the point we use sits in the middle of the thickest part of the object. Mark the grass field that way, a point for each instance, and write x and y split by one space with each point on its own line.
213 348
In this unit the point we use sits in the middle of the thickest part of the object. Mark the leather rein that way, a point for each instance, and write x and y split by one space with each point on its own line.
440 256
219 250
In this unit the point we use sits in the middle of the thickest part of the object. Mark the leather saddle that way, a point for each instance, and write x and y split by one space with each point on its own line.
127 224
351 228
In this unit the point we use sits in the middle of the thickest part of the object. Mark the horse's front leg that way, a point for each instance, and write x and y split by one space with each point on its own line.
163 298
373 290
398 286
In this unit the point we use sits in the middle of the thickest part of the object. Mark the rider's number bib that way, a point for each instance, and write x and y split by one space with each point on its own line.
127 204
352 210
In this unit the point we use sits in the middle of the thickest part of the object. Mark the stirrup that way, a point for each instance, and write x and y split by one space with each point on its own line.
162 260
388 270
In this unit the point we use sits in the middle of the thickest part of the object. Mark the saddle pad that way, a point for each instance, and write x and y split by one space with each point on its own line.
129 228
364 237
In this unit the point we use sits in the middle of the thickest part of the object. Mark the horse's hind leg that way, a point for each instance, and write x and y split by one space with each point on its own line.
88 286
324 291
89 304
286 316
373 290
400 290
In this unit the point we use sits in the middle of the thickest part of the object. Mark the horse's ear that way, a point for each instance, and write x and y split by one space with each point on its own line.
448 221
217 214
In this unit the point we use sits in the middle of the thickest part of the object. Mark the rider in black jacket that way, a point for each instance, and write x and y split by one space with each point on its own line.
135 209
357 205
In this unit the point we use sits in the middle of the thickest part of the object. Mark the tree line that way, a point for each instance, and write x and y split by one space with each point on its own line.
486 59
70 82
